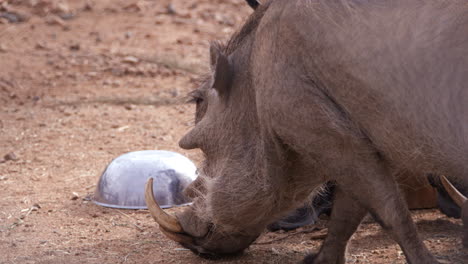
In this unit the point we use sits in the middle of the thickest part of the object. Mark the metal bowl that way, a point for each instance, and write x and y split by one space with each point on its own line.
122 184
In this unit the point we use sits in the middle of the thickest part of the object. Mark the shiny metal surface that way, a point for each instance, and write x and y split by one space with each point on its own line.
122 184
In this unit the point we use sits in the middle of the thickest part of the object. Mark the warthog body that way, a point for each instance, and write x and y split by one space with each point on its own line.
357 92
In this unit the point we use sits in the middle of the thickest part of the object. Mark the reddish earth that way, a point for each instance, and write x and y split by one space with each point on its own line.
82 82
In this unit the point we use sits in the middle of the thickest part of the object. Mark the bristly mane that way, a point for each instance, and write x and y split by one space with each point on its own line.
249 26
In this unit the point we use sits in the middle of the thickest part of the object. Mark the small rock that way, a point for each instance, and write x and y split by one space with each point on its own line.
3 48
133 7
55 20
75 47
130 107
10 156
41 46
170 9
88 6
66 16
275 251
123 128
131 60
14 16
75 196
62 7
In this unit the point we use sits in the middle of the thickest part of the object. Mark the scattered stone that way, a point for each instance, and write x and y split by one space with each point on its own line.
55 20
133 7
3 178
14 16
66 16
88 6
131 60
41 46
75 47
123 128
75 196
170 9
62 7
3 48
159 20
130 107
10 156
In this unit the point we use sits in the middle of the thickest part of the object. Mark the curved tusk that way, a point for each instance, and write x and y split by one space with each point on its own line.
457 197
166 221
181 238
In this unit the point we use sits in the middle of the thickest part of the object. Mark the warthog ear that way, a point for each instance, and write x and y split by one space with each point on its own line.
253 4
222 71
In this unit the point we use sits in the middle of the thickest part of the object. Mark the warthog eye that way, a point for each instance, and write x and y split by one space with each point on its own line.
195 97
198 98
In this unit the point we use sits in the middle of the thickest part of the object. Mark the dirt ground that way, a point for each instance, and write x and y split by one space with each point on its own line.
82 82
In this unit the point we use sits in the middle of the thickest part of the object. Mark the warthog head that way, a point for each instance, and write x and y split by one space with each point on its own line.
231 188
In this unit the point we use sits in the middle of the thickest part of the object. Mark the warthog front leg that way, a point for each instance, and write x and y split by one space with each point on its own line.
345 218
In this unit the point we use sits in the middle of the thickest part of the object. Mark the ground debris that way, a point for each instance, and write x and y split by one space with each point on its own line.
131 60
10 156
74 196
56 20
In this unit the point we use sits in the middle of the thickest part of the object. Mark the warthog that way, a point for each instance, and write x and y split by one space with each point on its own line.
356 92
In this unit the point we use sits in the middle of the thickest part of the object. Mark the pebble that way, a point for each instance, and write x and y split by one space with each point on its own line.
41 46
170 9
14 17
130 107
131 60
55 20
75 47
75 196
10 156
